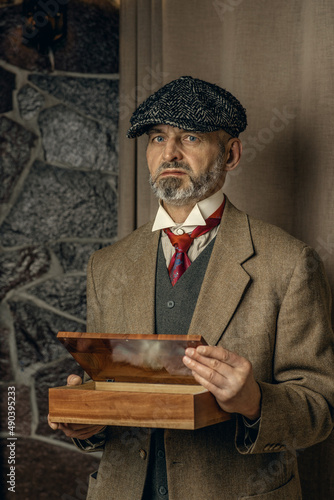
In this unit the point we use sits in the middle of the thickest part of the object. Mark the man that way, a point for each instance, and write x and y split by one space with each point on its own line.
257 295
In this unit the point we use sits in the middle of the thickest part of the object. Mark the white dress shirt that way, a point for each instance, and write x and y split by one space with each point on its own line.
201 211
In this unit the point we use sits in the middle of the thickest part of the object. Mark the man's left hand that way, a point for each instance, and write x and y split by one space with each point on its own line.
228 376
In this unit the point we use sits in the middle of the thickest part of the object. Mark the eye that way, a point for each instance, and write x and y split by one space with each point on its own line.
192 138
158 138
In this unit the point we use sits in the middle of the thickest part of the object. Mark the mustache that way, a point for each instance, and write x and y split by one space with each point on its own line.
172 166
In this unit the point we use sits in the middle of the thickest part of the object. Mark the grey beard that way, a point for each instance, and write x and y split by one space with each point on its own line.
169 189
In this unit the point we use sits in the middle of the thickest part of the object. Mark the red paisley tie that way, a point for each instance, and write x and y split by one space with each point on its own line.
180 260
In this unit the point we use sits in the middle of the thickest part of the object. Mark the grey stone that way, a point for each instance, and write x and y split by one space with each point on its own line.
20 267
15 145
5 367
91 45
47 472
74 256
46 378
30 102
58 203
74 140
66 293
96 97
12 49
36 330
7 85
92 40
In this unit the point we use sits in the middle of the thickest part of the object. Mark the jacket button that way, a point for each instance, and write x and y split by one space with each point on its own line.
162 490
142 454
170 304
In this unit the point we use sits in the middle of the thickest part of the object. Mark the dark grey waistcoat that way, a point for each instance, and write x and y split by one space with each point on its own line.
174 307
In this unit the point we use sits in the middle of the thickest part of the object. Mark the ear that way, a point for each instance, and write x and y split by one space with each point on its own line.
233 151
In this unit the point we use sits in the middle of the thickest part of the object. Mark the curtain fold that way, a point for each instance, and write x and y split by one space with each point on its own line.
141 74
277 59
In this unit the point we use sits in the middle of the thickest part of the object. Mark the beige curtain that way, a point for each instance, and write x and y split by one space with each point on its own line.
277 58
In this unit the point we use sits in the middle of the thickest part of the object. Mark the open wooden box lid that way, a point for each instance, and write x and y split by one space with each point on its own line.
132 357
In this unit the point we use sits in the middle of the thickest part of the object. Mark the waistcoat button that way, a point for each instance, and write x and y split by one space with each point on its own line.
162 490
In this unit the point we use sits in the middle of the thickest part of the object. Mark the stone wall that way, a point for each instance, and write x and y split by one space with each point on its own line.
58 203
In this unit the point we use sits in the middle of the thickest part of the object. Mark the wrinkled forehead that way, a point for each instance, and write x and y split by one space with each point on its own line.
162 128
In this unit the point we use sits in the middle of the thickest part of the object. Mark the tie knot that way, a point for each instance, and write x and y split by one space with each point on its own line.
181 242
180 260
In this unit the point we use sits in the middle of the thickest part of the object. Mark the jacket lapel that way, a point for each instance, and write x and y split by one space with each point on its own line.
225 280
139 294
223 286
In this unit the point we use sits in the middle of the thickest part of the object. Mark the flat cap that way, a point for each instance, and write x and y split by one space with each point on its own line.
190 104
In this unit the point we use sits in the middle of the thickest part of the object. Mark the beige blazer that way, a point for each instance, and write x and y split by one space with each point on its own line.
264 296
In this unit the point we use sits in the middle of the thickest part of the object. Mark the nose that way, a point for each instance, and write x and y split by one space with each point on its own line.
172 151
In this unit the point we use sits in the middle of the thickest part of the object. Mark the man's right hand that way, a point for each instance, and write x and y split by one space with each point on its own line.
78 431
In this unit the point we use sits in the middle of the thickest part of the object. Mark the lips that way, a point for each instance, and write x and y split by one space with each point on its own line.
172 172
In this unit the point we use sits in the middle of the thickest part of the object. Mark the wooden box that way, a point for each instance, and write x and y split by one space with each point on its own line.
137 380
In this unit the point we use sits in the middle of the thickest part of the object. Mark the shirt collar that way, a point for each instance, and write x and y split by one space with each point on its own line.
201 211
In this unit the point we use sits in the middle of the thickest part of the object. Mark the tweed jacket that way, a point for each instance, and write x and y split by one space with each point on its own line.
264 296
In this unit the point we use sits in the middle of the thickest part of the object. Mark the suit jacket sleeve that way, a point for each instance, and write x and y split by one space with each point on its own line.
93 316
297 408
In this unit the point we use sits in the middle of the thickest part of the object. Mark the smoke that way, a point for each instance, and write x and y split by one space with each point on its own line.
152 354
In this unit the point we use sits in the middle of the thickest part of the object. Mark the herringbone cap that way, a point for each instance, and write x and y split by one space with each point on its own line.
190 104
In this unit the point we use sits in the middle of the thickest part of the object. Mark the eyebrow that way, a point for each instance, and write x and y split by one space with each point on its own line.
153 130
158 130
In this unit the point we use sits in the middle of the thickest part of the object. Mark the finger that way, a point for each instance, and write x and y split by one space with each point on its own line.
201 364
53 425
74 380
215 352
83 433
78 427
217 391
211 375
79 435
